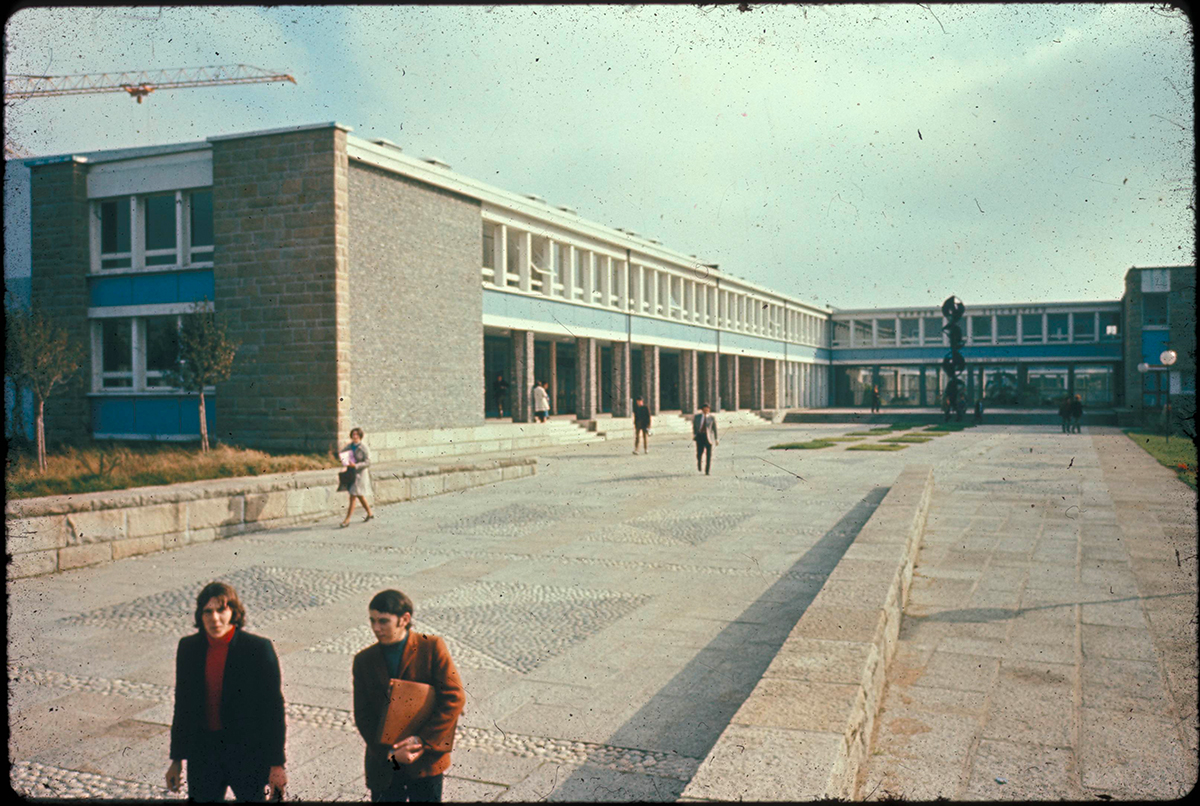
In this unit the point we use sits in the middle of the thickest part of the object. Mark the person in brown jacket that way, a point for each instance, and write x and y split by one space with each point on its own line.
411 769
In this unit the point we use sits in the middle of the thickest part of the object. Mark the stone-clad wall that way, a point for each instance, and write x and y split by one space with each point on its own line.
279 219
416 309
58 533
61 259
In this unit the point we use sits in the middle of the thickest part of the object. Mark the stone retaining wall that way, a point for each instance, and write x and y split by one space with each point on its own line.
61 532
805 730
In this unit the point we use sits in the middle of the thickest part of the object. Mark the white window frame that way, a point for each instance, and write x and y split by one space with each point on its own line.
139 375
138 254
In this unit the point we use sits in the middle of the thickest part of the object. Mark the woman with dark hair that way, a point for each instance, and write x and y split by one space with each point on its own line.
359 485
228 721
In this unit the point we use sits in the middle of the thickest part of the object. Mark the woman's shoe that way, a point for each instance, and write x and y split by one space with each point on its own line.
368 518
344 524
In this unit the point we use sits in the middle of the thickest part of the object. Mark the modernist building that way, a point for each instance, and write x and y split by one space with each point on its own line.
369 287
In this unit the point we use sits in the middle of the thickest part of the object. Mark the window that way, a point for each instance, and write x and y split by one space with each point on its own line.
885 332
862 333
115 250
1031 327
910 331
1006 329
1084 326
933 329
1110 325
160 231
489 258
134 354
841 334
162 348
1094 385
1154 310
116 351
1058 326
200 226
1048 384
981 328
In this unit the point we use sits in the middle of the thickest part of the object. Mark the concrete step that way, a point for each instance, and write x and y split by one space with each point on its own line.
934 416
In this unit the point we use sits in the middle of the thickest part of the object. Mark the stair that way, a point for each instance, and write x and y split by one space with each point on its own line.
489 438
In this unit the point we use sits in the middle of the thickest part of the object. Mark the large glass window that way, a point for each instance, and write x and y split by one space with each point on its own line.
162 348
1000 385
853 383
1049 384
933 386
1031 327
841 334
933 330
115 234
1058 326
863 336
160 230
900 386
981 329
1110 326
200 224
116 350
489 245
885 332
1154 310
1084 326
1006 329
1094 385
910 331
1154 389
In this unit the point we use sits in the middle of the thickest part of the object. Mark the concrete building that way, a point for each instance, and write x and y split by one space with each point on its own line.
373 288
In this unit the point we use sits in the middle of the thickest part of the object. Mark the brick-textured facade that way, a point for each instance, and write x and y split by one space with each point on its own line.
1181 315
280 272
60 260
415 309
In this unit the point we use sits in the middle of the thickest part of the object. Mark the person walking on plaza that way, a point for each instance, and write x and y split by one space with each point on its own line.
704 433
1077 414
228 721
1064 412
979 411
412 768
500 391
359 486
541 401
641 425
875 399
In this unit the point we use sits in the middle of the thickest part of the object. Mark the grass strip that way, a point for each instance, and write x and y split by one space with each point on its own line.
875 446
812 444
909 439
846 438
866 433
902 426
1179 454
880 431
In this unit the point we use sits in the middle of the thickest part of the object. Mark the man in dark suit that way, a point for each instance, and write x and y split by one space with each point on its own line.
228 720
411 769
704 434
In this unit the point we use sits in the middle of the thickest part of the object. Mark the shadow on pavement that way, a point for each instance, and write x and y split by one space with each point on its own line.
688 714
977 615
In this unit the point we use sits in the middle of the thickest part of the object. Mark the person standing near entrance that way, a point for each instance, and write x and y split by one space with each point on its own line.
1064 412
704 433
541 401
411 769
228 721
874 395
641 425
500 391
1077 414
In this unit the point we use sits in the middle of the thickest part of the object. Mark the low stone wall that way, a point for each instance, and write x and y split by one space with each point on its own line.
61 532
805 730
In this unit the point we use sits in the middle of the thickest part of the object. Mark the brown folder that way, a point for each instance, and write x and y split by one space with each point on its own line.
409 705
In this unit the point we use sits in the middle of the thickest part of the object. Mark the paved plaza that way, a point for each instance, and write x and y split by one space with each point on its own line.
610 615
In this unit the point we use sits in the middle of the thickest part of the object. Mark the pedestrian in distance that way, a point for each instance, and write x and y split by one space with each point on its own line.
1064 412
641 425
875 399
357 484
500 391
228 722
410 769
979 411
704 434
541 401
1077 414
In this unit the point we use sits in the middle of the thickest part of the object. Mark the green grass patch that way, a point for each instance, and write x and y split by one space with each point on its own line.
865 433
1179 454
812 444
120 466
875 446
884 430
846 438
902 426
950 426
912 439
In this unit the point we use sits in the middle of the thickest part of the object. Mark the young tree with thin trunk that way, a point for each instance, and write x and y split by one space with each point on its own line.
206 356
41 356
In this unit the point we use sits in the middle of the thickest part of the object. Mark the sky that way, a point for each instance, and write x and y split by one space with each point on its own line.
851 156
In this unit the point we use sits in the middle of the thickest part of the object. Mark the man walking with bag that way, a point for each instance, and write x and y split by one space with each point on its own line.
704 433
409 770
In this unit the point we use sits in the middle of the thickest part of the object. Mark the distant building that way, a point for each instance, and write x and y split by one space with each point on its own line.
1160 314
368 287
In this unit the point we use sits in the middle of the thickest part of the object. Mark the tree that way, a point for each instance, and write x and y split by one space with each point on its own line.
205 358
40 356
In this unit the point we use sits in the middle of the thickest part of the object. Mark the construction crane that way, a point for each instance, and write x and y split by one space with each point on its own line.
138 84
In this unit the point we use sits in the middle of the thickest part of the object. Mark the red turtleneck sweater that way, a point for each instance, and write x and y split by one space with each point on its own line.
214 675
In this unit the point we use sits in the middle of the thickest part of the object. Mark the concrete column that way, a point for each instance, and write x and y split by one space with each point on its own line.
651 369
776 400
711 390
687 381
589 277
569 273
729 383
621 277
500 255
622 404
524 261
586 393
521 385
654 280
553 377
604 266
757 386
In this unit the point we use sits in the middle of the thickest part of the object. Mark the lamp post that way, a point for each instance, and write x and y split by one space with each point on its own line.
1168 358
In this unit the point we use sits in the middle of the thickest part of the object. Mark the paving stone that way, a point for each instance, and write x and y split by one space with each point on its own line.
1138 753
958 671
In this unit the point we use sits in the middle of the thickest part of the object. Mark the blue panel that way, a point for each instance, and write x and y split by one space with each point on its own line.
189 408
1153 343
110 291
155 289
700 336
158 415
152 416
195 286
113 415
551 312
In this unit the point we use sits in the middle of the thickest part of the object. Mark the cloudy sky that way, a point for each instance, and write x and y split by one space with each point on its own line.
853 156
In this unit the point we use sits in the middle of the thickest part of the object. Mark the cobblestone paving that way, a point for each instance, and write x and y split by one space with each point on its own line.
465 656
269 593
513 520
32 780
673 527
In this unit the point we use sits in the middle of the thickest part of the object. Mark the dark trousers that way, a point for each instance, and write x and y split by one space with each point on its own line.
410 790
215 766
703 451
1066 425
